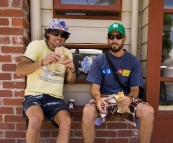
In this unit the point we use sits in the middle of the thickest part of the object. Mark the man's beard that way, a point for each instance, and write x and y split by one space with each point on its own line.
115 50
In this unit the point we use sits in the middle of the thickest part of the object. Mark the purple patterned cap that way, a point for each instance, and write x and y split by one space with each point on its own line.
58 24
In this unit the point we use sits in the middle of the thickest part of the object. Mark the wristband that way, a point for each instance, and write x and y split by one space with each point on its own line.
133 99
72 71
42 63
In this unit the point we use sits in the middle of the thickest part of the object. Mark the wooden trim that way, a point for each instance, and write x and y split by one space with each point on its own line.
88 10
57 5
154 51
168 11
86 46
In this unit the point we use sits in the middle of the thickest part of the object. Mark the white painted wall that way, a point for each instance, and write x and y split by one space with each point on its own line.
87 31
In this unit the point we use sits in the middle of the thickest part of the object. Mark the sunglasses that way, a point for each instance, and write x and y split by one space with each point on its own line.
118 37
62 34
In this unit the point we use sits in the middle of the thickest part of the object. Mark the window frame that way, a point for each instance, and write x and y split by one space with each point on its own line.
79 8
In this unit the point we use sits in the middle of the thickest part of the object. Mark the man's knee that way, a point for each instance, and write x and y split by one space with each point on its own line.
35 122
90 111
145 111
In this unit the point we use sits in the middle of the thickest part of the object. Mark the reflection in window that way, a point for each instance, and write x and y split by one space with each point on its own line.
166 96
168 4
167 42
82 59
89 2
166 88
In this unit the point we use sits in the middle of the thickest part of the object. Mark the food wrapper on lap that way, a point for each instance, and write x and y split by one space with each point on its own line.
121 109
59 50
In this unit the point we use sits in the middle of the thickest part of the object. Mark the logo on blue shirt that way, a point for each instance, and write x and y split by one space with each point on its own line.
106 71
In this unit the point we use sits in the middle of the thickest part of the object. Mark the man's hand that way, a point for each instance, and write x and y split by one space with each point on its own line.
125 101
51 58
101 103
69 63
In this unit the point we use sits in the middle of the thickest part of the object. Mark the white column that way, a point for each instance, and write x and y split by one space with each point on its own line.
35 17
134 27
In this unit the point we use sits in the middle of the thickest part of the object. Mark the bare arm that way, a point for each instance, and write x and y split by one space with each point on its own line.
127 100
95 93
26 66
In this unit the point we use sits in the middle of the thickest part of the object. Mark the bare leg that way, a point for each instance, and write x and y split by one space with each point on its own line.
63 119
35 116
146 114
88 127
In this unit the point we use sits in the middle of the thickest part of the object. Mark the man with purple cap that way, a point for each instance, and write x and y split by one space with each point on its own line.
45 71
115 89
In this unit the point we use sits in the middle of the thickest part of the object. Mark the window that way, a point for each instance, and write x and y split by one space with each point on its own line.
87 9
166 84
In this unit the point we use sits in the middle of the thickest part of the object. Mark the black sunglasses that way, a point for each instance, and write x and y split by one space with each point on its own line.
62 34
118 37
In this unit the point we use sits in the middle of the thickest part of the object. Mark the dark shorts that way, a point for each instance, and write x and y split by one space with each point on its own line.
49 104
112 108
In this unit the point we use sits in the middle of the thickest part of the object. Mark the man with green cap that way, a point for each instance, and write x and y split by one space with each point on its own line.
116 94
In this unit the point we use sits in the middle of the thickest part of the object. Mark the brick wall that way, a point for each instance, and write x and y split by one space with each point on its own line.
14 37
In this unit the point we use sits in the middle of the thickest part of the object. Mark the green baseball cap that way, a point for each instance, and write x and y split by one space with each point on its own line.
117 27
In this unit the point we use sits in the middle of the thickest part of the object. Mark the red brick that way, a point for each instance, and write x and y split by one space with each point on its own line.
134 140
5 76
4 40
125 133
45 140
11 31
25 7
76 140
3 3
46 133
117 140
76 126
47 126
0 118
18 85
9 67
77 133
6 93
5 58
17 21
117 125
6 110
19 93
7 126
16 77
4 22
19 110
17 40
12 134
21 140
13 118
18 58
106 133
11 13
21 126
7 140
12 49
17 3
12 102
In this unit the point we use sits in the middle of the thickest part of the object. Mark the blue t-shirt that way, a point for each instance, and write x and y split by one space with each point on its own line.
127 68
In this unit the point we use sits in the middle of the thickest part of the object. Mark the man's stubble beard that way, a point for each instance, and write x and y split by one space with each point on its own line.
115 50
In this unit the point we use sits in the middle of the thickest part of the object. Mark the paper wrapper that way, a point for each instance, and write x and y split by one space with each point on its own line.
60 51
121 109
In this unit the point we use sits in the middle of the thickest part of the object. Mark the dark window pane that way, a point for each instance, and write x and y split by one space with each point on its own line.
167 46
89 2
168 4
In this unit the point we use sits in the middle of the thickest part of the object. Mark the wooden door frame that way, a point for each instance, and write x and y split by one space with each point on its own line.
154 50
